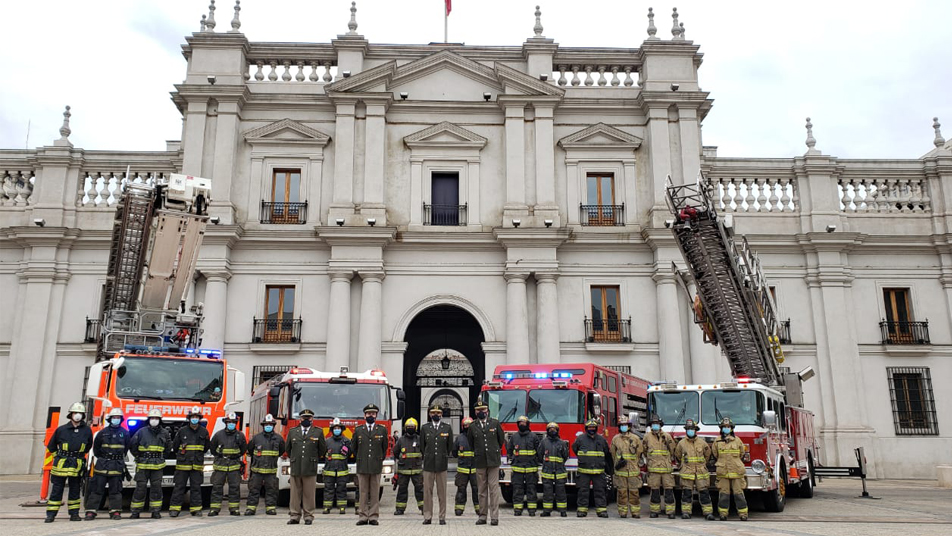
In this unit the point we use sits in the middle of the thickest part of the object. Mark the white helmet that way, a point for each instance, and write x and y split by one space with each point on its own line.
194 410
336 422
231 417
268 419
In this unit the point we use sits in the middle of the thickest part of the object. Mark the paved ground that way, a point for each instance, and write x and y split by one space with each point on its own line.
909 507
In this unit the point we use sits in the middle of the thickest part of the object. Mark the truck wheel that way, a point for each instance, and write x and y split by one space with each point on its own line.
805 489
507 494
284 497
380 496
776 499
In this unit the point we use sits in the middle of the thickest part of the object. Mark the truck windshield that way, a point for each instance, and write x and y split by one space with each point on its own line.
507 406
675 407
170 379
556 405
329 400
743 407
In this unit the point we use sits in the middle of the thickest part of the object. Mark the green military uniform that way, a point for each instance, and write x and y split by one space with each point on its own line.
305 448
729 450
692 454
369 445
437 437
486 438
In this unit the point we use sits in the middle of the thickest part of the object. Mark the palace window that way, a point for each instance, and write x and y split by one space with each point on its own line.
285 206
913 404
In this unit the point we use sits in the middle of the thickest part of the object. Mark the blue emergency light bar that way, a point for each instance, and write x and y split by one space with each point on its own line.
536 375
172 350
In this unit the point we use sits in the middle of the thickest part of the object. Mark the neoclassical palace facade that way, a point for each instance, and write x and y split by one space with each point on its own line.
379 203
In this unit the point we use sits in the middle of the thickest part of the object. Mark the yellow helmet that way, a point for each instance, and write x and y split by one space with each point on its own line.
411 422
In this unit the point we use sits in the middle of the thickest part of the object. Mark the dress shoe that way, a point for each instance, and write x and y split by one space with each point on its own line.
442 522
494 522
427 522
294 521
361 522
478 521
374 522
308 521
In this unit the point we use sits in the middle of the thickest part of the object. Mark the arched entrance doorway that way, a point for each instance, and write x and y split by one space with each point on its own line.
437 332
453 406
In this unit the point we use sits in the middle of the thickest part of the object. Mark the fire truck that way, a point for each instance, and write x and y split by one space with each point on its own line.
329 395
735 309
566 393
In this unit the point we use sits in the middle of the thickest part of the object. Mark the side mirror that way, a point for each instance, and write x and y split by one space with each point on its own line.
401 409
596 405
769 419
236 386
95 379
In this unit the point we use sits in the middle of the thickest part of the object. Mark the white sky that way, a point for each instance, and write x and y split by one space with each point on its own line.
870 74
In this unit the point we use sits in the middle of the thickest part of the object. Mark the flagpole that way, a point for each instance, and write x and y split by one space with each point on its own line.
446 25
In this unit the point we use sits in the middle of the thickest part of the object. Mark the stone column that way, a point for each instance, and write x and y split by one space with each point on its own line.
659 156
547 323
338 321
670 345
515 157
193 142
374 155
690 143
517 319
343 198
545 162
216 307
226 147
371 310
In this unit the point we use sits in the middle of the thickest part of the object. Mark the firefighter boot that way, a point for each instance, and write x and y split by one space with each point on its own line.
90 516
546 513
156 515
249 512
458 511
326 511
197 513
75 517
174 513
115 516
653 515
50 517
342 510
134 515
234 513
563 513
685 516
710 517
602 514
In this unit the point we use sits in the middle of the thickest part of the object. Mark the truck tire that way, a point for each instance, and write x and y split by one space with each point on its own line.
775 500
805 489
506 493
284 497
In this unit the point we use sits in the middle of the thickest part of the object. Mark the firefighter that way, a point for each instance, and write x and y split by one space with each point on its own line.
305 447
336 472
594 459
486 437
659 448
521 448
409 454
551 455
228 446
149 445
693 454
437 439
729 451
68 447
189 446
109 448
465 472
369 446
264 450
627 450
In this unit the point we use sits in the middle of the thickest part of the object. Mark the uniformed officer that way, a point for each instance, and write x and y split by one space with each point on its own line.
521 450
729 451
149 445
659 449
465 472
109 448
627 450
336 472
369 446
264 450
486 437
693 454
189 446
409 455
305 447
228 446
594 459
68 446
437 437
552 453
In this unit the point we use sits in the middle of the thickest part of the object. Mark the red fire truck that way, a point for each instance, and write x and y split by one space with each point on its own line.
329 395
566 393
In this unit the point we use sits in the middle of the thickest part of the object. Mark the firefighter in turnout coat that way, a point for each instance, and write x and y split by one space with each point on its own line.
149 445
627 450
68 447
264 450
465 472
693 454
409 454
336 472
109 448
521 449
551 454
729 451
594 459
659 449
228 446
189 446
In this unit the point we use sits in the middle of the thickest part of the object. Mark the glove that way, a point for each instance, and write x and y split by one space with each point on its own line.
620 463
712 465
395 482
127 475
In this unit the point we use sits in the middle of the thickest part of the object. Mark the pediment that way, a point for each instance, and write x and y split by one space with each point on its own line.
445 134
286 131
601 135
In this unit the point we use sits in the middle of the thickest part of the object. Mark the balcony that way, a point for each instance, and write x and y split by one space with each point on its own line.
93 329
783 332
276 330
284 213
905 333
608 331
444 215
602 215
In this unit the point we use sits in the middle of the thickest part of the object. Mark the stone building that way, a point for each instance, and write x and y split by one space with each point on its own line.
398 206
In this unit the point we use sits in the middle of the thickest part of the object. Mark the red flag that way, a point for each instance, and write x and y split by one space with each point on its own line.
449 6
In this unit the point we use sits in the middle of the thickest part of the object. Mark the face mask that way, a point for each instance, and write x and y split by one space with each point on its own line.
115 422
411 431
306 422
269 428
194 420
552 433
370 419
230 426
623 428
725 430
655 427
337 432
691 433
77 417
153 422
590 431
436 418
481 414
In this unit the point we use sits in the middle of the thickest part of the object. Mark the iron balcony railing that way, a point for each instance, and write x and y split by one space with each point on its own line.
93 329
610 330
446 215
602 215
783 332
905 332
276 330
284 213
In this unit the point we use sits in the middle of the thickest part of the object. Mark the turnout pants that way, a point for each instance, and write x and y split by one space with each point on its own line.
368 500
657 481
487 479
429 480
599 486
151 479
57 486
628 498
403 483
689 483
727 487
97 487
335 489
270 483
233 478
192 479
524 490
462 480
553 494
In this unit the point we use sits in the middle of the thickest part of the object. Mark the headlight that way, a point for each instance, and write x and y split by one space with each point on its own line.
286 470
758 466
387 469
208 468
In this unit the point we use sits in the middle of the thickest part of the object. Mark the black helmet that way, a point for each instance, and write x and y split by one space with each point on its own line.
656 419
